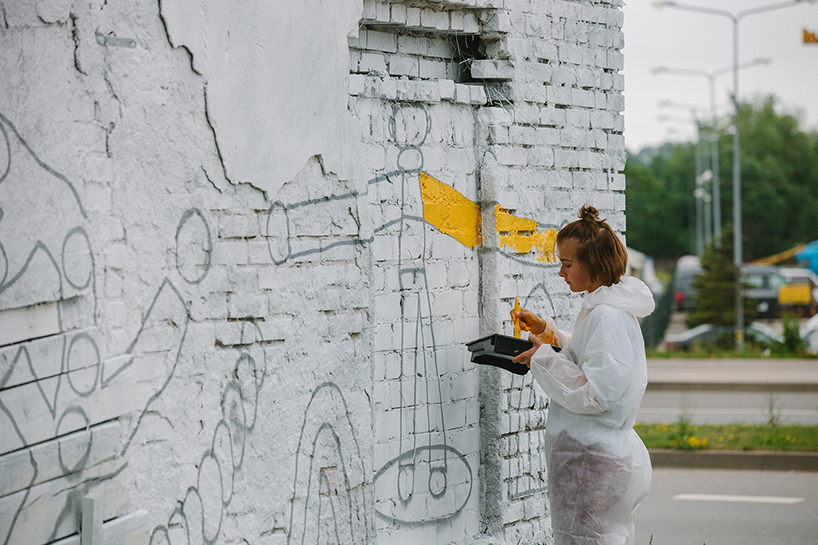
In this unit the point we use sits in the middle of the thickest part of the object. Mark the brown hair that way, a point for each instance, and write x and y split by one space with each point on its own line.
599 250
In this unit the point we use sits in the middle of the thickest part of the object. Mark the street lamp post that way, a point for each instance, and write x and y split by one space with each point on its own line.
737 249
714 142
703 235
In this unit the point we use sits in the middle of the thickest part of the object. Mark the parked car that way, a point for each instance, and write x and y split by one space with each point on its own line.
762 283
709 333
800 292
687 267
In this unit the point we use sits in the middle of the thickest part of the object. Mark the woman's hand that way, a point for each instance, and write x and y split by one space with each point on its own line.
543 328
529 321
525 357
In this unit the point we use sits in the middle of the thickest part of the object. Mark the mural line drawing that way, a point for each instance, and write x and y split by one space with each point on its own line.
50 374
198 517
329 503
528 408
432 469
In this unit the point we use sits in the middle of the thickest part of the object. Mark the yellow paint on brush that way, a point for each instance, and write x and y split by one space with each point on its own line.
516 318
451 212
523 235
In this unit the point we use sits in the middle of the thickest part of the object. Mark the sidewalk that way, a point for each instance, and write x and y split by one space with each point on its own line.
768 375
764 375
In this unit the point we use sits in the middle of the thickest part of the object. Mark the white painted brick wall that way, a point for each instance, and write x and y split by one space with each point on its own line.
245 332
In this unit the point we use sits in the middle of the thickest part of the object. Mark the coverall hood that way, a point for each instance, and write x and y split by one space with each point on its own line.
630 294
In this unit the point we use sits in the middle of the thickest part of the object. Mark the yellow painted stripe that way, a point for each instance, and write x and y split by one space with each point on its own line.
459 217
523 235
451 212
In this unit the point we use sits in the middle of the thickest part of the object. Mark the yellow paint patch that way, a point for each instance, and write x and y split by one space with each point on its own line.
451 212
523 235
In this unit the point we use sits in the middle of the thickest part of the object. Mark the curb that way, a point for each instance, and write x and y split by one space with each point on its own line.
732 386
735 459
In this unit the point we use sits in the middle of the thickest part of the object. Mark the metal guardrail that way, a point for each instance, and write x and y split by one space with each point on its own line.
655 325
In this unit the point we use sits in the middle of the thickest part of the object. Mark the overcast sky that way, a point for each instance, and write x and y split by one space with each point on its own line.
697 41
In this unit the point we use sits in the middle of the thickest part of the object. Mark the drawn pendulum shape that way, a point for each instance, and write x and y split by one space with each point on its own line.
406 471
414 288
417 480
438 474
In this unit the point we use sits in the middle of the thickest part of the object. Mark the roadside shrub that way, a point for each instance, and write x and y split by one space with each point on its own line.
793 344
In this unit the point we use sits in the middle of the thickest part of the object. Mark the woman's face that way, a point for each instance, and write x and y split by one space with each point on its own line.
571 270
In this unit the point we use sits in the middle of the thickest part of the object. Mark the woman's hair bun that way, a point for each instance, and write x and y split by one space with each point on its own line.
589 213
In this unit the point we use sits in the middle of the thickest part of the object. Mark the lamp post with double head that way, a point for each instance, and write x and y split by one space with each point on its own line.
735 19
714 142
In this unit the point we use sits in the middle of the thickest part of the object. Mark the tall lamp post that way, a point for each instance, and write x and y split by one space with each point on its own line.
714 151
702 208
735 18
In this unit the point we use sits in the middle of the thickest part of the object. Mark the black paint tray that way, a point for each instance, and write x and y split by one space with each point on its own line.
498 350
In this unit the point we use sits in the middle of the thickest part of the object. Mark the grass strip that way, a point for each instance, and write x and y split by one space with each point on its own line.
683 435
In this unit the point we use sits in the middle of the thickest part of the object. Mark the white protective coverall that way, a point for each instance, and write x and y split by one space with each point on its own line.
598 468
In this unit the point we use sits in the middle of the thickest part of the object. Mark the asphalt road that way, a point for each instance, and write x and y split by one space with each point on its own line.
729 507
730 407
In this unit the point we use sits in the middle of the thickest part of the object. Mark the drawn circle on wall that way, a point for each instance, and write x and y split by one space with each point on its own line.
5 153
236 419
194 246
185 518
438 481
409 125
278 233
249 371
83 364
223 452
4 265
444 502
211 491
77 259
410 159
74 458
249 377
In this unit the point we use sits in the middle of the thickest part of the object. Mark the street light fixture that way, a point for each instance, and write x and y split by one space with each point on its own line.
737 250
703 227
714 150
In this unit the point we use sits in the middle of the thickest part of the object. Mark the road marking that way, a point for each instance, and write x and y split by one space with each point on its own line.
737 412
728 498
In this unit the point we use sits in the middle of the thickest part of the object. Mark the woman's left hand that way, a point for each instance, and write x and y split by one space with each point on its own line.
525 357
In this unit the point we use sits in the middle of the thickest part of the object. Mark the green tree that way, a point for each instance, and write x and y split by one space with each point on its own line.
657 204
715 287
654 226
779 182
779 174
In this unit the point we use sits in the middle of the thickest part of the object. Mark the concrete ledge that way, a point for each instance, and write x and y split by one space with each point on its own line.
735 459
711 386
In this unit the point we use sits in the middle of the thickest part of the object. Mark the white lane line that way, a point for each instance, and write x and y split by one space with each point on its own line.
790 412
744 499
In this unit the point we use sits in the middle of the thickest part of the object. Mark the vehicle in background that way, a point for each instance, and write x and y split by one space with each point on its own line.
801 291
703 334
761 284
687 267
641 266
